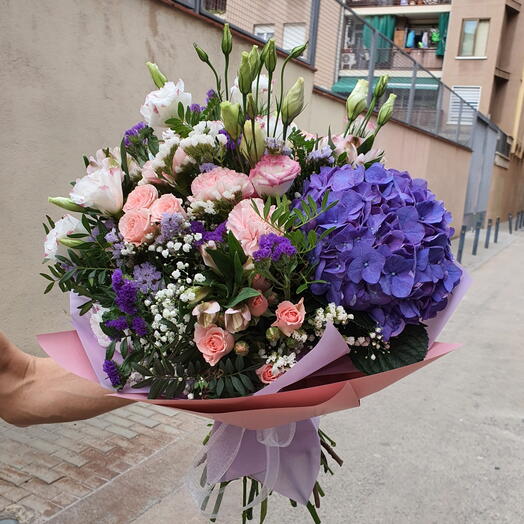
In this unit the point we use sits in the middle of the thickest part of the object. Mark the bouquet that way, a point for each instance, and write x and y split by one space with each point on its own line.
225 262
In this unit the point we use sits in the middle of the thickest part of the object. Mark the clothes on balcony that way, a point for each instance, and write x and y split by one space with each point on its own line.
384 25
410 40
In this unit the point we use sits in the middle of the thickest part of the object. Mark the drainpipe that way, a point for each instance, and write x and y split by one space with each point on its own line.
518 114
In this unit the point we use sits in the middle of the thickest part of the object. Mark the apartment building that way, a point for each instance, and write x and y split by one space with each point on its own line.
473 46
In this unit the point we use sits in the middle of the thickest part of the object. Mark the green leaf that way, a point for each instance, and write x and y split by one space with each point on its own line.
409 347
247 382
245 293
49 287
220 387
237 384
49 277
229 366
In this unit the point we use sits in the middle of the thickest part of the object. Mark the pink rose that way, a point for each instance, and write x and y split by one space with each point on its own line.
274 174
141 197
247 226
265 374
258 305
221 183
135 225
290 317
213 342
166 204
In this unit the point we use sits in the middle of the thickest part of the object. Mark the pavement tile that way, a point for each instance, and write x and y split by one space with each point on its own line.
123 432
117 420
43 489
64 499
145 421
71 457
48 475
72 487
43 507
3 503
13 475
11 492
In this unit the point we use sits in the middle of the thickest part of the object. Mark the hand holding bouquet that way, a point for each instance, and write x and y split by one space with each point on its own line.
228 263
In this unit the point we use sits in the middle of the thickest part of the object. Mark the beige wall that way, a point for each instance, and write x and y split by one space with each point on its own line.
73 79
507 190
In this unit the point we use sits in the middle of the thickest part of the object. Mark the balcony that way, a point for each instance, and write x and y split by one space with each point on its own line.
388 3
391 59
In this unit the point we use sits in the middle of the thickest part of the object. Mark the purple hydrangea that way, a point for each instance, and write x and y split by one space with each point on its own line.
147 276
274 247
110 367
126 292
134 131
389 253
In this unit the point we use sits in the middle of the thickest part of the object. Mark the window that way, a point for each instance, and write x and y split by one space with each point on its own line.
264 31
466 114
294 35
474 37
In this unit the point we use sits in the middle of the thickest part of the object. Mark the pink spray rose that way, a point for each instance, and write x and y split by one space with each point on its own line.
289 316
166 204
258 305
135 225
260 283
265 374
213 342
274 174
247 226
221 183
141 197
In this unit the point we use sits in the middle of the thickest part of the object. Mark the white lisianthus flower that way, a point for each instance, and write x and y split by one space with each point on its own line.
63 227
97 312
235 96
162 104
101 188
96 161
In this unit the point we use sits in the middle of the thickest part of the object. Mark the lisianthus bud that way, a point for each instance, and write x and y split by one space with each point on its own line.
241 348
293 102
200 293
201 54
71 242
252 145
206 313
245 78
381 86
273 334
254 60
227 40
229 114
237 319
298 51
251 108
158 78
269 55
65 203
386 111
357 100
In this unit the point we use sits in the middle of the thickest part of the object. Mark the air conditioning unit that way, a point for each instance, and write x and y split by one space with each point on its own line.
346 60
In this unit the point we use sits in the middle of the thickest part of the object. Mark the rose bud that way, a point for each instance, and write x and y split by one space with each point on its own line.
241 348
273 334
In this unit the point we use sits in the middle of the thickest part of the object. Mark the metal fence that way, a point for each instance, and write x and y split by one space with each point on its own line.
350 47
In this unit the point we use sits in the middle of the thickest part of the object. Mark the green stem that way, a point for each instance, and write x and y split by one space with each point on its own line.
256 93
218 501
225 77
281 98
254 139
263 511
270 78
313 513
244 495
217 80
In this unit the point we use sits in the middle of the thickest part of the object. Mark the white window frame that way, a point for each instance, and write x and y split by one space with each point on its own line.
468 115
461 40
288 25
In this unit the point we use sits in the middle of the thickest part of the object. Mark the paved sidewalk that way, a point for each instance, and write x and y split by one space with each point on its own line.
444 445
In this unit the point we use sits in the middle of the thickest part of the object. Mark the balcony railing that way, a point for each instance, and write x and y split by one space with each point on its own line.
390 58
385 3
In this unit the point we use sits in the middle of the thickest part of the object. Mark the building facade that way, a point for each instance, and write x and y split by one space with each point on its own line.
471 46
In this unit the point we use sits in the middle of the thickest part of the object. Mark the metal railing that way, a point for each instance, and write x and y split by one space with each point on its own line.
382 3
423 101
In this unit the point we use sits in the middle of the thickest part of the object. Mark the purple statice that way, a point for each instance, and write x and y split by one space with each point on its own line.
147 276
274 247
111 369
120 323
210 95
126 292
389 253
217 235
206 167
231 143
134 131
321 156
196 108
139 326
171 225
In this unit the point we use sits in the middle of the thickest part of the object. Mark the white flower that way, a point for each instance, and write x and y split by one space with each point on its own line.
235 96
63 227
101 188
162 104
96 161
97 312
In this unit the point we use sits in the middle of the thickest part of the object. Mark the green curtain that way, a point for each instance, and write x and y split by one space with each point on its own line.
385 25
443 30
